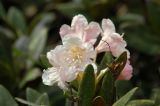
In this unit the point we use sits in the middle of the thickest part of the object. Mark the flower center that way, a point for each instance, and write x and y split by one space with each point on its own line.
76 55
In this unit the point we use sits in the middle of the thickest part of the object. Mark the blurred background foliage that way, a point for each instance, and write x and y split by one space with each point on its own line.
28 29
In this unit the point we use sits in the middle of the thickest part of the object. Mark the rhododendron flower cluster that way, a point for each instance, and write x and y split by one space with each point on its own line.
77 50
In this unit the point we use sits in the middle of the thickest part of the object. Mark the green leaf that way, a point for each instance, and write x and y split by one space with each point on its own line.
43 100
5 98
87 87
156 96
32 95
122 87
99 80
141 103
41 20
108 88
17 20
125 99
37 44
38 41
7 32
98 101
2 11
25 102
35 97
30 75
107 59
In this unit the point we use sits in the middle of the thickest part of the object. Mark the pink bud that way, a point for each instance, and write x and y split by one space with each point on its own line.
126 73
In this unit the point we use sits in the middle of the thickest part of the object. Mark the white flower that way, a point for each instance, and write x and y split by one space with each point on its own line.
81 29
111 41
67 60
58 75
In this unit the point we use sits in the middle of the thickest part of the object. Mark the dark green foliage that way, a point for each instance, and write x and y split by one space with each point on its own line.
87 87
5 98
108 88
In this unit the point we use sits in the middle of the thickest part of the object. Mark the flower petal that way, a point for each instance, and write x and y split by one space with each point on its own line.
108 26
91 32
79 22
50 76
114 43
55 56
65 30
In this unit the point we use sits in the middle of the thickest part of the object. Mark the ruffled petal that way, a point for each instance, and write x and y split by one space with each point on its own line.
108 26
79 22
55 56
91 32
50 76
65 30
113 43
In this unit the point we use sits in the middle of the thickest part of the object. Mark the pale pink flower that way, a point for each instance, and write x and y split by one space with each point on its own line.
114 42
111 41
81 29
126 73
67 61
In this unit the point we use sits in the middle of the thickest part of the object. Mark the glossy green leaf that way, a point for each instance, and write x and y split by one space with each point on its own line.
99 80
98 101
32 95
108 88
125 99
2 11
5 98
17 20
87 87
141 103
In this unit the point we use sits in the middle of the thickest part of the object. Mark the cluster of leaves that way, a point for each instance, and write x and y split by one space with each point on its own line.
21 45
103 89
93 90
